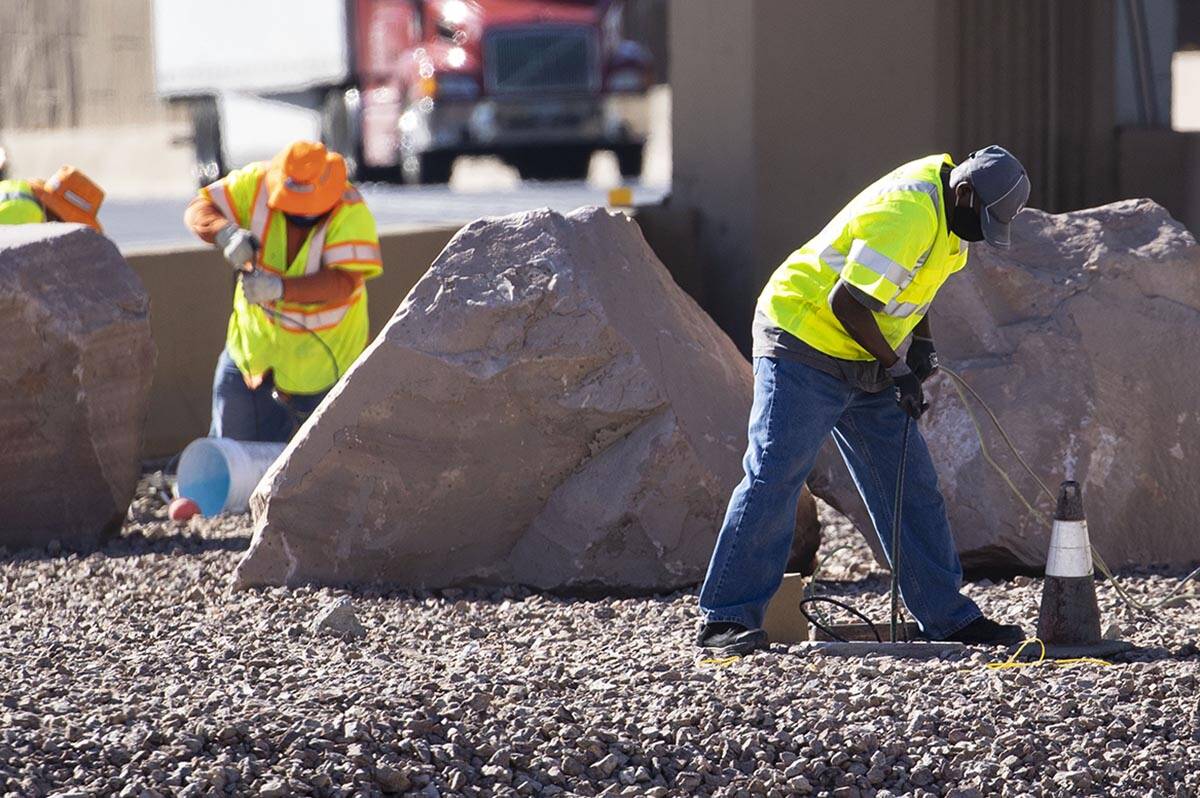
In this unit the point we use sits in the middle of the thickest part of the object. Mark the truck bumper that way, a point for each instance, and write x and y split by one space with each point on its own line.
497 126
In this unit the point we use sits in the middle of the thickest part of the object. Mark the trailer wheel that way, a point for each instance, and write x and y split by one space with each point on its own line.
340 129
427 168
630 158
206 141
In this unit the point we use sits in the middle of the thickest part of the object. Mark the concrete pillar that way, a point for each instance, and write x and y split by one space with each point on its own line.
783 110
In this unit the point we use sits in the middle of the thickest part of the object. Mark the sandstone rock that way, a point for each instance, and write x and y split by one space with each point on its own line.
75 371
546 407
1082 338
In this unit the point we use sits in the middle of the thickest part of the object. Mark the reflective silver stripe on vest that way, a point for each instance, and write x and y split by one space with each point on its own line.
923 186
260 216
297 320
216 192
833 259
316 248
351 253
879 263
17 196
901 310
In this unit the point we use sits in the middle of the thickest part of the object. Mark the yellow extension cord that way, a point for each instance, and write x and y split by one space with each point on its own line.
1012 662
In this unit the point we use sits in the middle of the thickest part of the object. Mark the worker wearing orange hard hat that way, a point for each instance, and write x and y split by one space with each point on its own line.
304 245
68 196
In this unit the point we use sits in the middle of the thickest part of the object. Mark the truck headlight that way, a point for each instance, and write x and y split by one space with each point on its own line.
456 87
626 80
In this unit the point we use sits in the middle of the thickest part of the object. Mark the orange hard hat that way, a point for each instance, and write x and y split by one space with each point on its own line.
71 196
305 179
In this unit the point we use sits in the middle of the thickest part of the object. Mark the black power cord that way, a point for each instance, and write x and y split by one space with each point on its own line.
895 579
841 605
337 371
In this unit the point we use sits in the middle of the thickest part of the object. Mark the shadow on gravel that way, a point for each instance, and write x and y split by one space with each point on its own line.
137 545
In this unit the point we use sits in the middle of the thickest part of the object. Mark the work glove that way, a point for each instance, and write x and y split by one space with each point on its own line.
238 245
909 395
260 287
922 358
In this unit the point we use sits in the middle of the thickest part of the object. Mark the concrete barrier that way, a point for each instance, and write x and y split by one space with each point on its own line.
190 291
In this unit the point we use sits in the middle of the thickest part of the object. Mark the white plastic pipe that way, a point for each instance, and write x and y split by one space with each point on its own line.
219 474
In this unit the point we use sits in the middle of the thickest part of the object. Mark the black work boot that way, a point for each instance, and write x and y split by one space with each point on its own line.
727 639
986 632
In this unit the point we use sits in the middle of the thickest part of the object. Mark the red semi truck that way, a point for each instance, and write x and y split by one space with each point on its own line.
403 87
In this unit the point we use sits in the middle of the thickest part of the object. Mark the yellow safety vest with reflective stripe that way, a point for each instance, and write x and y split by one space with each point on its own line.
890 242
281 342
18 203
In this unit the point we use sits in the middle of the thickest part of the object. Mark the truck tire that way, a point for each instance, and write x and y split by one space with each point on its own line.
630 158
206 141
562 163
341 131
427 168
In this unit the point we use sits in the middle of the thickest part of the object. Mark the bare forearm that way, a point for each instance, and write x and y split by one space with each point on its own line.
860 325
327 287
203 219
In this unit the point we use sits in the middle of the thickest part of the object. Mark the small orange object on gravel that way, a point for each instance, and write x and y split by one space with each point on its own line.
182 509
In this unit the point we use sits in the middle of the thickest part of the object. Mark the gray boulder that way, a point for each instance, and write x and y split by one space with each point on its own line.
1083 337
75 372
546 407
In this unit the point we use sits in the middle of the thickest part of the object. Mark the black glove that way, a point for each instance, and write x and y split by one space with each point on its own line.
909 395
922 358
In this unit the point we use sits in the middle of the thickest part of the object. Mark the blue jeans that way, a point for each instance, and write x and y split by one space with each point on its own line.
253 415
795 407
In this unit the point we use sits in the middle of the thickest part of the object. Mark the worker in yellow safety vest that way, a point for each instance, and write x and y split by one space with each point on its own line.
304 243
826 330
68 196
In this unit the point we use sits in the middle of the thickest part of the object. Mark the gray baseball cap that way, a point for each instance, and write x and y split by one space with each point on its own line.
1001 185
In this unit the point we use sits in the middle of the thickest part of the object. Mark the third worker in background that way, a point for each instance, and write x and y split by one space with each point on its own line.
304 245
68 196
826 330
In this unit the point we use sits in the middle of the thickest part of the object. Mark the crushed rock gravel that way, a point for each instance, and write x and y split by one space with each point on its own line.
133 671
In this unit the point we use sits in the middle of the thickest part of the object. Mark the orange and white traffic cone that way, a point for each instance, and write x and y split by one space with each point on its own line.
1069 618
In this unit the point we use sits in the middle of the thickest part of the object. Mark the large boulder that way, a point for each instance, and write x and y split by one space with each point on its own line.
545 408
1084 339
75 371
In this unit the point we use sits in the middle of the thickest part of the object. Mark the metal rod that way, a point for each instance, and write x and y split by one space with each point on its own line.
896 530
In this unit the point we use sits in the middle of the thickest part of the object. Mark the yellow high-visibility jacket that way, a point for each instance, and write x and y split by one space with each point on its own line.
18 204
890 242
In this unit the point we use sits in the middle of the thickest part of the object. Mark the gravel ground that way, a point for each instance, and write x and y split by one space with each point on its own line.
134 672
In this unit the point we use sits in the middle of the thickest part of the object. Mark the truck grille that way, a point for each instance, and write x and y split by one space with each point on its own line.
540 60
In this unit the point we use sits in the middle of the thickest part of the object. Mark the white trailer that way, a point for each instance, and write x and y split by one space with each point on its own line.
255 73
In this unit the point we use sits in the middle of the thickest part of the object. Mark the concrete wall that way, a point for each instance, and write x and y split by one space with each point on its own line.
76 63
190 292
